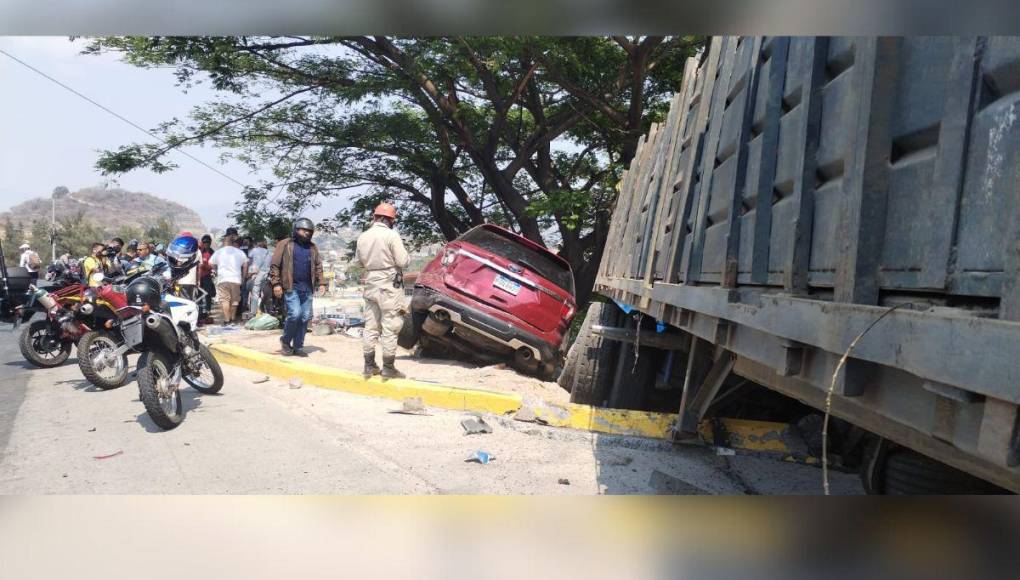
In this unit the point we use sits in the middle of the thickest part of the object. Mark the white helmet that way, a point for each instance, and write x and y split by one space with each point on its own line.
24 246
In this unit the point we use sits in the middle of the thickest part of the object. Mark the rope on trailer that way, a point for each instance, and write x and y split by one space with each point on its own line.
832 388
637 342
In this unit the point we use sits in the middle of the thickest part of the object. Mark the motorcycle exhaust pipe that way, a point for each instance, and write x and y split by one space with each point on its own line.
162 329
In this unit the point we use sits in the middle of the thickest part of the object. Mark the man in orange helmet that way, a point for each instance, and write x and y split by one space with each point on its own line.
382 254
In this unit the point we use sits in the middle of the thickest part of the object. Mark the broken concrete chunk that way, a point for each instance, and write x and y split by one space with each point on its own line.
412 406
475 425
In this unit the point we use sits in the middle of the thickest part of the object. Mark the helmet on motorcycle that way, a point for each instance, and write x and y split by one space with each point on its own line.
145 291
182 254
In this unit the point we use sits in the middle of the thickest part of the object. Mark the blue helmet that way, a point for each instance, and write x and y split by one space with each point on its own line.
182 254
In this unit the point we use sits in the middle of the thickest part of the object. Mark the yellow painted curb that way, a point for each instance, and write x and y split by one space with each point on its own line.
432 395
739 433
750 435
583 417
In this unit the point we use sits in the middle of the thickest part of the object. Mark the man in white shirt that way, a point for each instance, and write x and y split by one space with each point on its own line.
230 266
30 261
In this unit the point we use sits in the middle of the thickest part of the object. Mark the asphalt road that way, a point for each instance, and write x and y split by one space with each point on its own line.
58 434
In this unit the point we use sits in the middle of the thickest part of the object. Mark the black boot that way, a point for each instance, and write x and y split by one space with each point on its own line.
371 369
389 371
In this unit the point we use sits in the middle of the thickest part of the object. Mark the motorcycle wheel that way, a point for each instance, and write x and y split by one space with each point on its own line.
162 400
92 350
34 347
210 378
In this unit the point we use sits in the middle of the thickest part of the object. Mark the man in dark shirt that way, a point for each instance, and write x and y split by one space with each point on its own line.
296 269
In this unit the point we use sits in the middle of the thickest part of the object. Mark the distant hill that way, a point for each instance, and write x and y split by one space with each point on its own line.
112 209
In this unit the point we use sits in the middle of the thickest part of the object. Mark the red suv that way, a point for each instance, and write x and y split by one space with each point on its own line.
493 296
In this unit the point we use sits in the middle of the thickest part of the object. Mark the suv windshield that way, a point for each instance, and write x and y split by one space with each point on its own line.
540 262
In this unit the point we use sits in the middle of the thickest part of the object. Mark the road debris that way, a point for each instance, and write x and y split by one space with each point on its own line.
621 460
295 383
563 481
264 379
411 406
92 430
480 456
121 452
475 425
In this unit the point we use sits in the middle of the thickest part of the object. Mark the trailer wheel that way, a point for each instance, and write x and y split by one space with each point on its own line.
897 470
592 368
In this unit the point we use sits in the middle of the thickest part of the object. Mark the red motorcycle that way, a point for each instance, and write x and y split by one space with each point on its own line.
47 342
102 355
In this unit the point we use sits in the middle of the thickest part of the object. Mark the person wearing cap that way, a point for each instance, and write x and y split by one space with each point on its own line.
130 250
295 270
381 253
30 261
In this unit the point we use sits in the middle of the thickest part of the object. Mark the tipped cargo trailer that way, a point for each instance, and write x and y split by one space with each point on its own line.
798 190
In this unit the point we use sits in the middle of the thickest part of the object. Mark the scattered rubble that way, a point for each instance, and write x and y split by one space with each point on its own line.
475 425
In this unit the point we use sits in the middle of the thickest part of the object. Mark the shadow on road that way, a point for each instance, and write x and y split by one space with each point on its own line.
191 402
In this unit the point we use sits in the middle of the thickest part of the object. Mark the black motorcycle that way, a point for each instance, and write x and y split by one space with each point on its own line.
162 327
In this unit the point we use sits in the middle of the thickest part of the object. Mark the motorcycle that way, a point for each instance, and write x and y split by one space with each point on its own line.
47 342
163 328
102 355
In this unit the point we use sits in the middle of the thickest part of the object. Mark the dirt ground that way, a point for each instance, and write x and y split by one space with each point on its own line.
344 352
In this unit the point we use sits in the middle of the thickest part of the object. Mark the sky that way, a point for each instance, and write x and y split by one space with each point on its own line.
50 137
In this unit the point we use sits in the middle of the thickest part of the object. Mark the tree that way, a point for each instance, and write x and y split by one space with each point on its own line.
60 191
76 234
14 235
161 233
530 132
40 235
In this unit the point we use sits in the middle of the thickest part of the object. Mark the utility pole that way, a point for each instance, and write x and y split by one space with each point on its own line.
53 228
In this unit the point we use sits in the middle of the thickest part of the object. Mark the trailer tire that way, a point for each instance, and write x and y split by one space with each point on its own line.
907 472
592 374
893 470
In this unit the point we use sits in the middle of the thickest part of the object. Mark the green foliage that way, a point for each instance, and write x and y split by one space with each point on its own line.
40 236
14 234
162 232
528 132
76 234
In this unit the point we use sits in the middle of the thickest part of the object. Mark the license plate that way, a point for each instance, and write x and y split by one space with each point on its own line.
507 284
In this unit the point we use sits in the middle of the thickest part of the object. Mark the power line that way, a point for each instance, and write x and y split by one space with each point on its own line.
117 115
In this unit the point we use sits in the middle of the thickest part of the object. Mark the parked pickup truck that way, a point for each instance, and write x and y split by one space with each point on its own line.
493 296
806 193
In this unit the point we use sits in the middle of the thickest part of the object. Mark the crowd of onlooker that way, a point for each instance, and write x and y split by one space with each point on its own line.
234 273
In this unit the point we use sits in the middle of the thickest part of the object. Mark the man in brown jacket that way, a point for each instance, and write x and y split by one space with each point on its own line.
296 269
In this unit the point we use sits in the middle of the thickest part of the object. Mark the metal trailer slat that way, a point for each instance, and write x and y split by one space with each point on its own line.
863 170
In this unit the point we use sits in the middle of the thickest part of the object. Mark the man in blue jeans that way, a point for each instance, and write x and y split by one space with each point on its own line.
296 269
